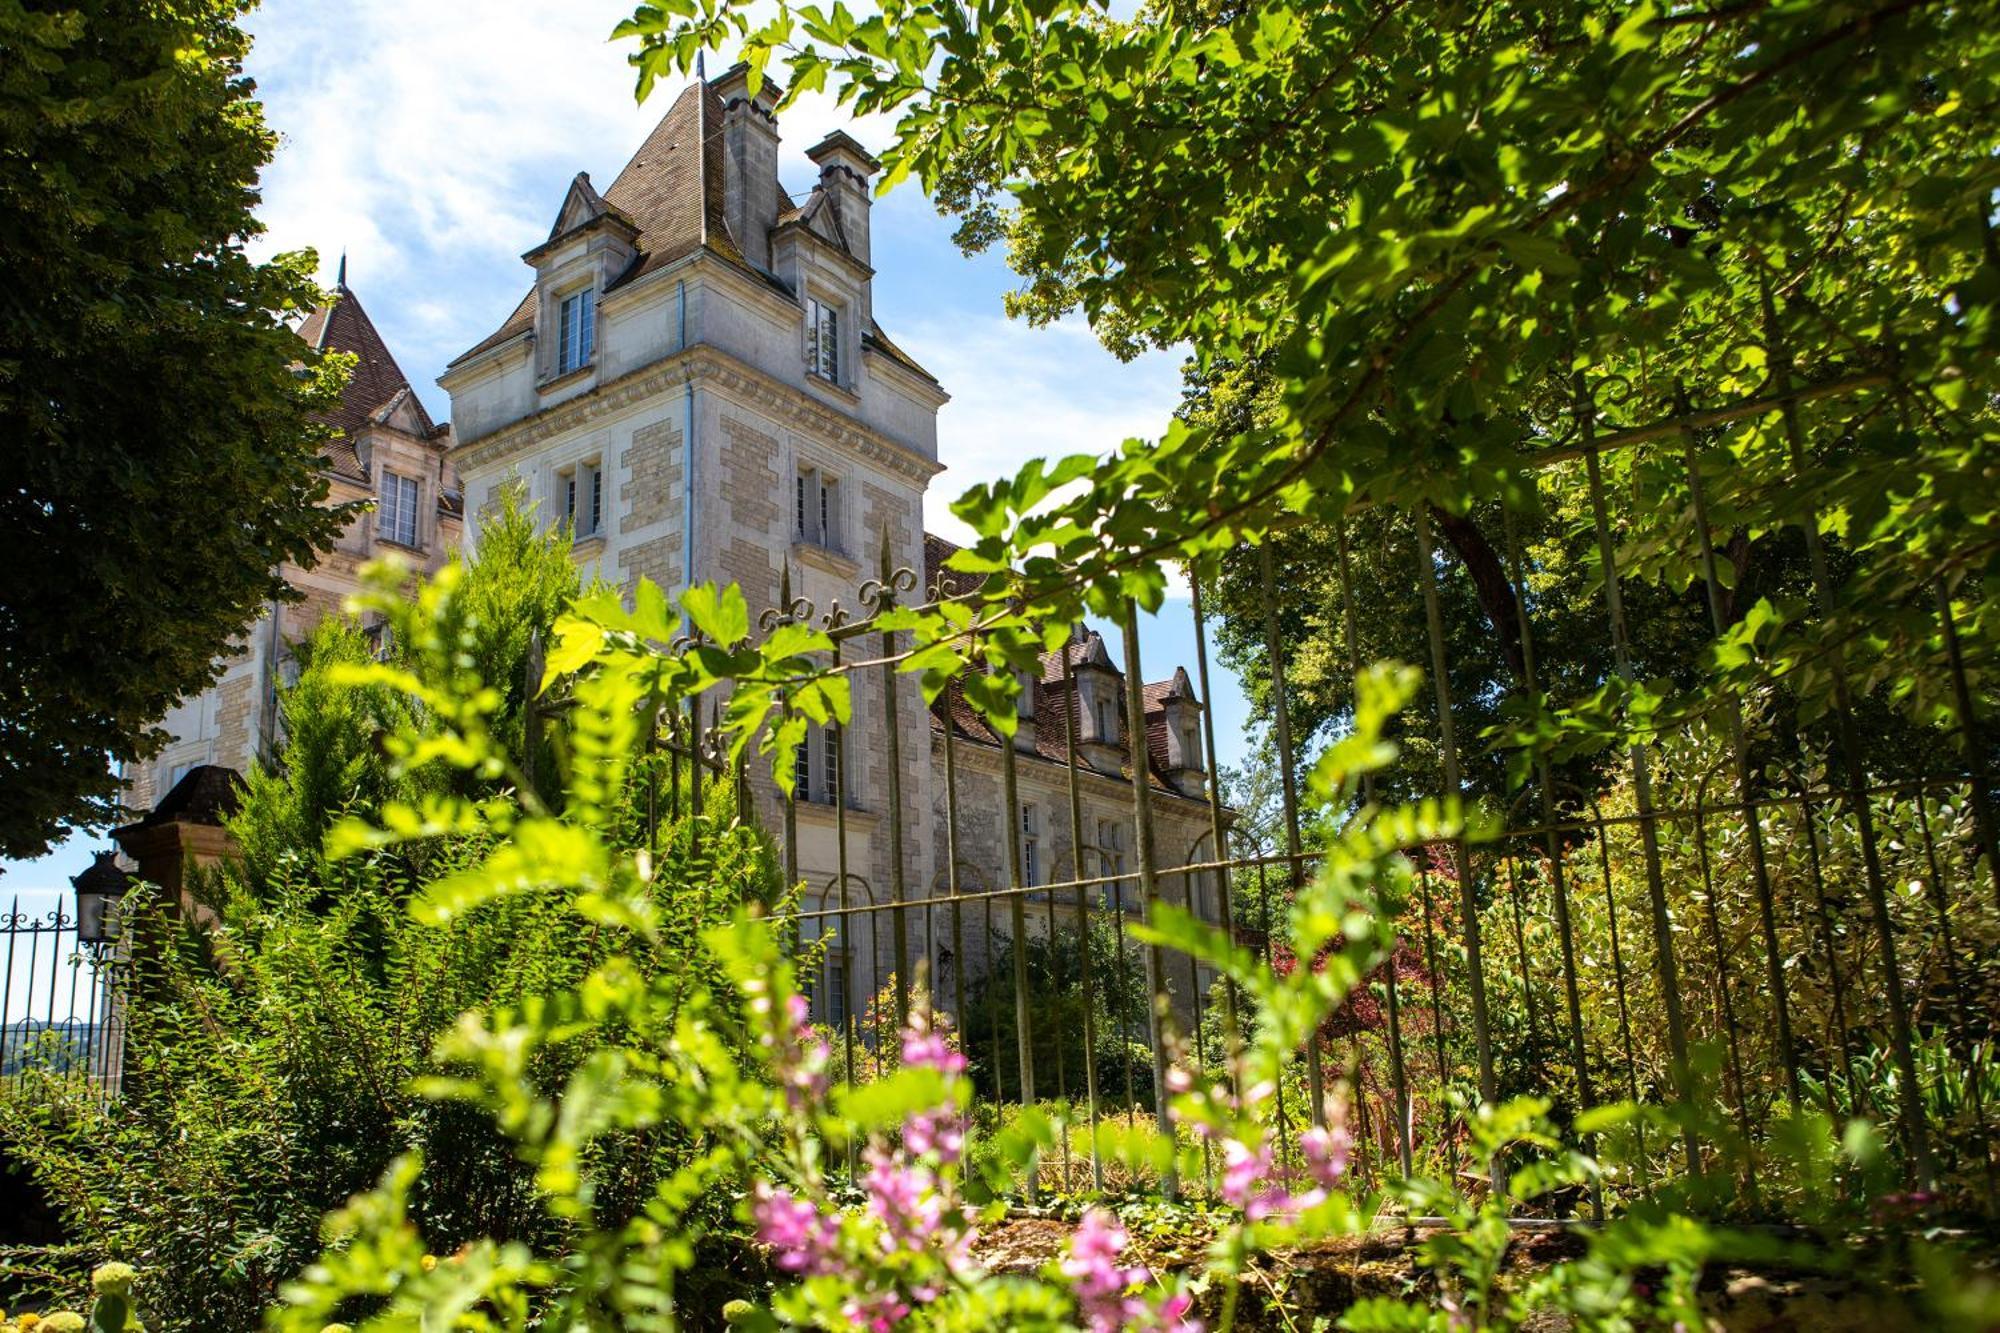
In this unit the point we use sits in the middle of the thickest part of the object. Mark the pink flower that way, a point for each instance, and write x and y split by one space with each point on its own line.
904 1199
1101 1282
1327 1148
931 1050
1243 1169
941 1132
876 1311
806 1240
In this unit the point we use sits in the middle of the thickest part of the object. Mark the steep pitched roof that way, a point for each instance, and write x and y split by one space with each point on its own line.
375 388
583 204
207 794
1053 698
671 191
878 341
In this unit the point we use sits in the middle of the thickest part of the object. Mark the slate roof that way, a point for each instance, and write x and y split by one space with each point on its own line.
671 191
207 794
376 387
1052 698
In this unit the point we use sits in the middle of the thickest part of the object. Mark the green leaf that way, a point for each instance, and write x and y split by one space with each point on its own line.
724 617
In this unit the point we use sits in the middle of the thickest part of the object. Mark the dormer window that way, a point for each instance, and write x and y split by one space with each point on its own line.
822 339
396 512
1107 721
576 335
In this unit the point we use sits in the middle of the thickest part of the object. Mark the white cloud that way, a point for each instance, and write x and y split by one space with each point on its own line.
433 146
1020 393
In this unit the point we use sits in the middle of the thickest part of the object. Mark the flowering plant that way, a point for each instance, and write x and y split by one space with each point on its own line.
726 1068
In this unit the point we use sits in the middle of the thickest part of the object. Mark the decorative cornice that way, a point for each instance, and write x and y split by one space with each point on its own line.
710 367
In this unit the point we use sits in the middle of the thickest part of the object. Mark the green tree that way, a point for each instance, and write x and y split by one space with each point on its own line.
331 761
1480 603
161 455
1458 238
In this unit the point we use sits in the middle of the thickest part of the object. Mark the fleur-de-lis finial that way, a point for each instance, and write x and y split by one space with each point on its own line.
790 610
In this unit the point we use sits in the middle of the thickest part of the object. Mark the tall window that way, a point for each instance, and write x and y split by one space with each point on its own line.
816 766
835 790
1031 846
1107 721
396 512
816 508
1190 742
582 492
1111 855
822 339
577 337
833 1005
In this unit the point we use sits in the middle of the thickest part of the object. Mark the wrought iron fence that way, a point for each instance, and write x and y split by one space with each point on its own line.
1710 928
63 1017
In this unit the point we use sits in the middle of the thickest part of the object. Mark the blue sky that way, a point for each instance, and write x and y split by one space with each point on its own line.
433 143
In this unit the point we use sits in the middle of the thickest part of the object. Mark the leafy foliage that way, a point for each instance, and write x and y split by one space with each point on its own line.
1452 244
275 1039
162 459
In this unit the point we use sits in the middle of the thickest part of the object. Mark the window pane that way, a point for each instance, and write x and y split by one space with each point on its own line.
596 499
822 339
577 331
397 509
835 1008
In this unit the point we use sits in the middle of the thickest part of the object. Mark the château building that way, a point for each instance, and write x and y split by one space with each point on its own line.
696 380
388 453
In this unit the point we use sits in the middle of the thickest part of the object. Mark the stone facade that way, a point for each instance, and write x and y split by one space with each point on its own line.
384 434
750 420
696 383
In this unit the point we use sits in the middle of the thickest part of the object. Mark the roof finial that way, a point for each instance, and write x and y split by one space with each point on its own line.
340 282
701 65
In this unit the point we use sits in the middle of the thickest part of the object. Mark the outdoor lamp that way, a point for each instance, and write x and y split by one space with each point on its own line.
98 890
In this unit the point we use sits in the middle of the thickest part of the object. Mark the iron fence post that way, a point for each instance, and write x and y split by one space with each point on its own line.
1084 979
1149 887
1774 968
1288 785
1468 897
1910 1108
1642 781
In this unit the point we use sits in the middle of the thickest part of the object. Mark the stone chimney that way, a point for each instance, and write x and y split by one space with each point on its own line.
750 162
1024 703
1099 705
844 171
1182 713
